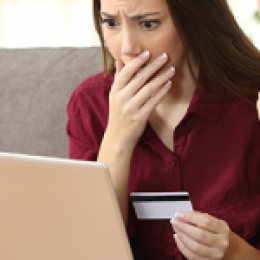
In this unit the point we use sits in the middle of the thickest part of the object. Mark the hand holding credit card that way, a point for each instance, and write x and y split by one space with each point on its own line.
160 205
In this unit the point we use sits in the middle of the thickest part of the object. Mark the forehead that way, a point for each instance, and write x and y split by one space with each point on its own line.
131 7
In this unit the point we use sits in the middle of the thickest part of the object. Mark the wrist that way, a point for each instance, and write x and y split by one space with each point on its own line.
239 249
117 144
111 149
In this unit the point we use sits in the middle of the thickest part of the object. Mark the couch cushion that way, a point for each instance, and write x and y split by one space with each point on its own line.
35 87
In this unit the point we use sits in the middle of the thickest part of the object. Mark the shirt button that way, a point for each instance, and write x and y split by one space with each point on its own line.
174 163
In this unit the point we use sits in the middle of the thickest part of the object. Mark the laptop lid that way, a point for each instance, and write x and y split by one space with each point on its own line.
58 209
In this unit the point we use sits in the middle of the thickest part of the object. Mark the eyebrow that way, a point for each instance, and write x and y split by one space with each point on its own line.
134 17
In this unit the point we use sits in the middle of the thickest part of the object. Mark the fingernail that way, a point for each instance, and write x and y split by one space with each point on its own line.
168 84
259 94
176 237
162 58
170 72
174 222
179 215
145 54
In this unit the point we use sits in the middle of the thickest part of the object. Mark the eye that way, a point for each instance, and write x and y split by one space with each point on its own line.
150 25
110 23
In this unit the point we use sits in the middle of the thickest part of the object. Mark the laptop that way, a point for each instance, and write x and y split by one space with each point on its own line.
59 209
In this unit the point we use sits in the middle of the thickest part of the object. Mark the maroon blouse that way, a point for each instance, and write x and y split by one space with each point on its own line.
216 159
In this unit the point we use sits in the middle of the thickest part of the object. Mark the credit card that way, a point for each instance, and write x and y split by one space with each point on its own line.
160 205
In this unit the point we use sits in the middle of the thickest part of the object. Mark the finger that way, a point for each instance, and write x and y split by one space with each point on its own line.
201 235
149 106
199 249
142 77
186 251
119 66
151 88
129 71
204 221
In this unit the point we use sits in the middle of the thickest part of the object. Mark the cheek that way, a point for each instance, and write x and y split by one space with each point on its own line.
173 42
172 45
112 45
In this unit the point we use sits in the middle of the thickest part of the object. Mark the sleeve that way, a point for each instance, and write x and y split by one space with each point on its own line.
81 146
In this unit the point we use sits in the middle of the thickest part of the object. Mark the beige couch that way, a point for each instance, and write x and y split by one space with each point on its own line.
35 87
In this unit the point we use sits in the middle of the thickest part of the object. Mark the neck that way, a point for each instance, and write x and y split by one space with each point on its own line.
169 112
183 86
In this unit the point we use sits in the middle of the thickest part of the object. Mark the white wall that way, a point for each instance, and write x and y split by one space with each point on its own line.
43 23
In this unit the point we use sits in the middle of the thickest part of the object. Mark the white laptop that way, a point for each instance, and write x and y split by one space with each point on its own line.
58 209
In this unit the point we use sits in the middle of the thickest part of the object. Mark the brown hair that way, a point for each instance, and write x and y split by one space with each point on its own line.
211 35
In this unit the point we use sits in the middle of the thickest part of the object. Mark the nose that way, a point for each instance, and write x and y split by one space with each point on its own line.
130 46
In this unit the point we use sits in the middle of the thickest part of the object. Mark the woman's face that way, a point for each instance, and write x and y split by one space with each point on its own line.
133 26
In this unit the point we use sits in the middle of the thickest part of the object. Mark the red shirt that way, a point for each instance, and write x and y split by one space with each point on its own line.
216 159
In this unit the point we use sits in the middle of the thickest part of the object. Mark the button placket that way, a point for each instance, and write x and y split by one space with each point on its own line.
174 163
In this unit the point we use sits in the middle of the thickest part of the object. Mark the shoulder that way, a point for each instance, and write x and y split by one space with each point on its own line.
88 106
242 109
92 91
234 107
87 112
95 82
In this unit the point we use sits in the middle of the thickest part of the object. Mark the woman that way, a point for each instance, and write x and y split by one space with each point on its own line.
175 111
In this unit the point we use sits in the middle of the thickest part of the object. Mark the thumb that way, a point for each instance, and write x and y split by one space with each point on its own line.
119 66
258 105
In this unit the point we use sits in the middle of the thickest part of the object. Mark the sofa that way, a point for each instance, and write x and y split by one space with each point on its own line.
36 85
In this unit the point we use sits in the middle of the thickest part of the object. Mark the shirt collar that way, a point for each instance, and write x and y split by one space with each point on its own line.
201 104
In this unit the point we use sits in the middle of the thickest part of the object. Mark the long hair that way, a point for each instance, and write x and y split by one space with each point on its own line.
211 35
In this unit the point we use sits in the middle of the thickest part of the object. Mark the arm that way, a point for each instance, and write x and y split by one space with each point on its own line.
118 159
132 98
241 249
